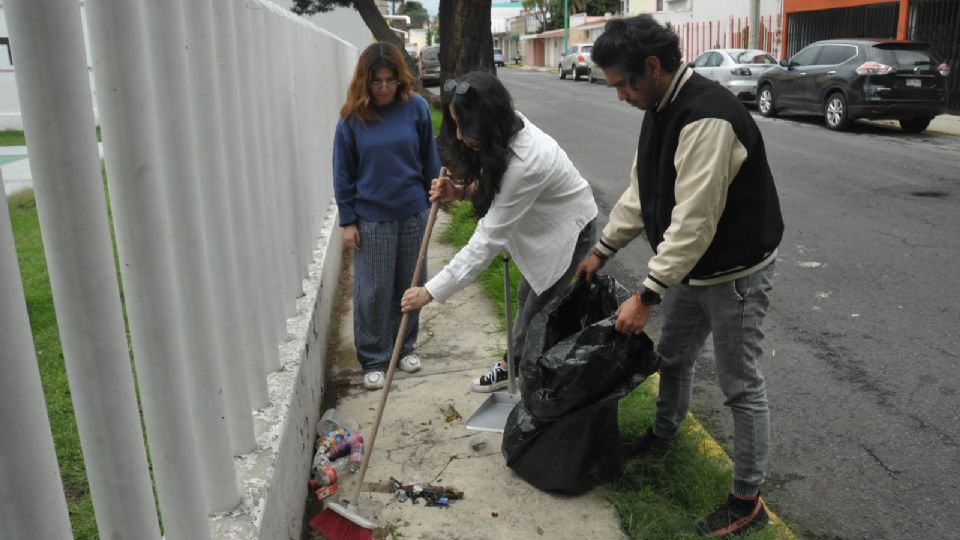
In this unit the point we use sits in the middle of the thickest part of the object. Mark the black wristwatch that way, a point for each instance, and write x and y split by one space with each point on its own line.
649 298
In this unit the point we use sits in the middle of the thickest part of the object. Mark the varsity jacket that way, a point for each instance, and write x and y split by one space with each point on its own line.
701 189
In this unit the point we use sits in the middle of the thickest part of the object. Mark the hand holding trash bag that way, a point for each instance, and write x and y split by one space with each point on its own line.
574 356
632 316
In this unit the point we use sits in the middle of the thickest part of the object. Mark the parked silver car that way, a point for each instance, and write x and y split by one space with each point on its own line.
576 60
498 57
736 69
594 73
430 64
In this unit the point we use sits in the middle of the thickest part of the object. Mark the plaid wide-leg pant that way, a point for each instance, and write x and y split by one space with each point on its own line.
382 270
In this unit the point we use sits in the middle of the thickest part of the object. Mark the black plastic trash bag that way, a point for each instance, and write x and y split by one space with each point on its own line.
564 437
573 355
569 455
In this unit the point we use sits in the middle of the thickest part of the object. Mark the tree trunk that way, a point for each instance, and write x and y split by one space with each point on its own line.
466 44
382 32
465 40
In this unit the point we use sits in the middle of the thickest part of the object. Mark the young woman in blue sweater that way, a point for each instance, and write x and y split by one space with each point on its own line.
384 158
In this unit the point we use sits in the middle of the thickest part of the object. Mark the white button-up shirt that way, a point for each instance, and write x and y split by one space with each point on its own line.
542 206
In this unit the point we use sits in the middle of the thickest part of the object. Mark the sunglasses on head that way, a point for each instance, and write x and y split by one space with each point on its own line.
460 87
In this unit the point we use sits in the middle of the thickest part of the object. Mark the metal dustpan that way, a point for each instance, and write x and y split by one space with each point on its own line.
492 415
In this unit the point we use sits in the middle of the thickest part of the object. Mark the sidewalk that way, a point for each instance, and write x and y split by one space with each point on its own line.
458 341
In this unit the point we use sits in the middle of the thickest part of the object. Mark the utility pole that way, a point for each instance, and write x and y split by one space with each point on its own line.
754 27
566 25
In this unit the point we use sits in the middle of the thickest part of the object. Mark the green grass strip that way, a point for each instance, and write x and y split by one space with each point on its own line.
15 137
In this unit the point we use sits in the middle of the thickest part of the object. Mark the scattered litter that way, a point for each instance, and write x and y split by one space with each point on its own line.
328 422
494 514
449 413
809 264
432 495
854 315
339 448
479 442
539 531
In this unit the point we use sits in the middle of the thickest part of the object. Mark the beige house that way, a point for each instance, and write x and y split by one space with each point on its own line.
546 48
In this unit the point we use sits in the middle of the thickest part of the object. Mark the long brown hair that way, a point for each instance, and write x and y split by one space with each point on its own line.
379 55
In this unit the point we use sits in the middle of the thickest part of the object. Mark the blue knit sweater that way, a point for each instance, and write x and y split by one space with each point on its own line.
382 170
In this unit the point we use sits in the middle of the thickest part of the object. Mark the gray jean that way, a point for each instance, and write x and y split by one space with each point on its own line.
531 303
733 312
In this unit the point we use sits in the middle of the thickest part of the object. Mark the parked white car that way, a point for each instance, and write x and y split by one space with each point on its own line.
736 70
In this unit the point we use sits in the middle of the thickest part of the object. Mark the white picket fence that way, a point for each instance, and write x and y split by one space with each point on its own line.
217 119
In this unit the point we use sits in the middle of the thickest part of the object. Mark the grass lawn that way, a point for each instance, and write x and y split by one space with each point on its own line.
12 137
657 498
43 323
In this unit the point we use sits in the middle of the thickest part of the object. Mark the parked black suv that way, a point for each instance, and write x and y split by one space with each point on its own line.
845 79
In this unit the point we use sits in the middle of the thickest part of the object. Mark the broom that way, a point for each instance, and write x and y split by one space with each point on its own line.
343 522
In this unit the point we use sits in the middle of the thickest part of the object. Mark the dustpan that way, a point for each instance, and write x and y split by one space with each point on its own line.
492 415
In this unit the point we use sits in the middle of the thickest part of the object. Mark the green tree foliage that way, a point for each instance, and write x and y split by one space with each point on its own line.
417 13
549 13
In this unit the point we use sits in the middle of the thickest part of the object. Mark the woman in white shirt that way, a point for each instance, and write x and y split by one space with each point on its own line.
528 196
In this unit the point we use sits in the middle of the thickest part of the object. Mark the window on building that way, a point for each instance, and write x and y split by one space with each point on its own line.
659 5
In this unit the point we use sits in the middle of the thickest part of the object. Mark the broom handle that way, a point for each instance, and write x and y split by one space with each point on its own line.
397 344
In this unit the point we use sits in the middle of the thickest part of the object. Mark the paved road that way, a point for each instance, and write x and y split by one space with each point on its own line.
863 338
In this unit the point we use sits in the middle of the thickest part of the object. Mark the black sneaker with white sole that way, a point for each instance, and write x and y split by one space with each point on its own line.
491 382
649 445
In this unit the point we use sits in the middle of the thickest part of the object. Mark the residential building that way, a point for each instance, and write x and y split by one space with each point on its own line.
546 48
502 15
712 24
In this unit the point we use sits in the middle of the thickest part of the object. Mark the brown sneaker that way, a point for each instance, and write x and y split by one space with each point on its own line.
735 517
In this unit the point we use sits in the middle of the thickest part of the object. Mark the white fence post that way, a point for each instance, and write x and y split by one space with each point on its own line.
205 95
252 134
232 118
57 109
285 158
33 503
135 172
264 112
203 359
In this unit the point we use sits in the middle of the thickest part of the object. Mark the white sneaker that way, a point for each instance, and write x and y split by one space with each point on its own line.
373 380
410 363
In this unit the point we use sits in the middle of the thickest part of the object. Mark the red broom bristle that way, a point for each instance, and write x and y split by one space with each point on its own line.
333 526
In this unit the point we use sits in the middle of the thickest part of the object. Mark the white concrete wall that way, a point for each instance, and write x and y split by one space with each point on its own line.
552 51
636 7
693 20
9 101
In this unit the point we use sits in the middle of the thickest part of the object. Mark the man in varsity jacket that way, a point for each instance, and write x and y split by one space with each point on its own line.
702 191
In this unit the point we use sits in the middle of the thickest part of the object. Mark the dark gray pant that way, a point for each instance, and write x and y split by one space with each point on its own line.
531 303
733 312
382 270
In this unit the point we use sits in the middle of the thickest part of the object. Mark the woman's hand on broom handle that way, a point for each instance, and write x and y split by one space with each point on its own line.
415 298
443 188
